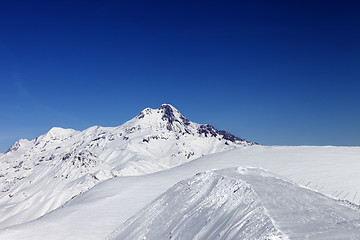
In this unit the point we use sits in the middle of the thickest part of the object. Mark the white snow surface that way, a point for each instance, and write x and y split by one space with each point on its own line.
39 176
207 206
241 204
297 213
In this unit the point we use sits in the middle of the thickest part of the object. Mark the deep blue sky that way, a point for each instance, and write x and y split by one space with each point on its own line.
274 72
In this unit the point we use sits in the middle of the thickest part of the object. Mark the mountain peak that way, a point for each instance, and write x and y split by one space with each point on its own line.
60 132
167 116
166 105
56 133
171 114
17 145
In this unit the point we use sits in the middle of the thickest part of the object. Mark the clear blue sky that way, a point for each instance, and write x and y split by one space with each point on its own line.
274 72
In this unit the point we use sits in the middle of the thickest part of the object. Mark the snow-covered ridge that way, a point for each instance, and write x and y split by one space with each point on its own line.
166 116
243 203
207 206
40 175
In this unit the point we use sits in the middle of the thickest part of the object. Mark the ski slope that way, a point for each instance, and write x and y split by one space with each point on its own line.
95 214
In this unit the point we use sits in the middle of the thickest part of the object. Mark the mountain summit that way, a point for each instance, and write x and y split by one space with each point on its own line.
63 163
166 116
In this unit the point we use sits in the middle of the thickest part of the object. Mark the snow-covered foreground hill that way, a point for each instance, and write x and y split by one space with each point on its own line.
241 204
39 176
96 213
207 206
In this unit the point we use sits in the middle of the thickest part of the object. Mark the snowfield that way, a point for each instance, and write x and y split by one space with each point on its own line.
96 213
241 204
207 206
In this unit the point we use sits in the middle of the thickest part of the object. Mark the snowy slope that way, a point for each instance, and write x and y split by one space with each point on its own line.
207 206
241 204
99 211
38 176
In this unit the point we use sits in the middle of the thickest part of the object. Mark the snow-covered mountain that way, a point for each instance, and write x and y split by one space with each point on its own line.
87 184
40 175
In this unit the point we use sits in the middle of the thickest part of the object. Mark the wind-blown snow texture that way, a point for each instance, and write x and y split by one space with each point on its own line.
38 176
241 204
207 206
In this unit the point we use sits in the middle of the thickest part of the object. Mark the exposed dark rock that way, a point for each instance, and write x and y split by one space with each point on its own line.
189 155
130 130
228 136
96 139
141 115
84 159
185 120
207 130
51 157
66 156
170 117
14 147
